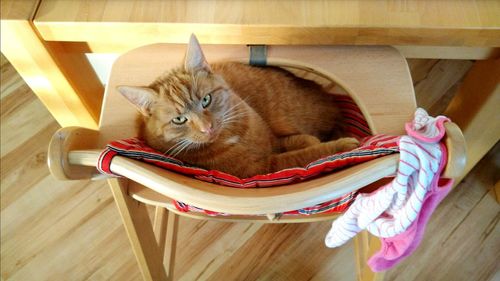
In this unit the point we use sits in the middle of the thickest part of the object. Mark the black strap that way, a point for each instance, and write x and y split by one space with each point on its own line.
258 55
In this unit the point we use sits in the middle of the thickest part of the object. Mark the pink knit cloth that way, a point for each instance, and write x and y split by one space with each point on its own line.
397 248
399 211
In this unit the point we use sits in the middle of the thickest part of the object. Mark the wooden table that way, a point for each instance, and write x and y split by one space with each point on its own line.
46 41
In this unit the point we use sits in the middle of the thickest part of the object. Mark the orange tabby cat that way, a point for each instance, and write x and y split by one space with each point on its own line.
239 119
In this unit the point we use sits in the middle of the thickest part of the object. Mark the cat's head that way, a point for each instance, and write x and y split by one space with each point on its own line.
190 104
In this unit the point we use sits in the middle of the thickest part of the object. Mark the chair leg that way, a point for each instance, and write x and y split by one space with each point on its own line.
365 246
165 229
140 232
497 191
160 226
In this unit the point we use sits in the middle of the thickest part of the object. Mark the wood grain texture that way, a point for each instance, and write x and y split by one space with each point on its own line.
497 191
65 140
33 59
54 230
61 78
18 10
246 201
475 108
139 229
366 245
457 152
441 22
408 51
432 89
170 251
447 52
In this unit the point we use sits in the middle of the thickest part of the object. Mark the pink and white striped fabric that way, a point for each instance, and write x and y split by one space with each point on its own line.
393 208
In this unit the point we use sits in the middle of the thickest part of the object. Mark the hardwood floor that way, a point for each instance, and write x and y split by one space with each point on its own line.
54 230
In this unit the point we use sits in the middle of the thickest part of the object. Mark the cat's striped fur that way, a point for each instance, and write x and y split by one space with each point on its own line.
236 118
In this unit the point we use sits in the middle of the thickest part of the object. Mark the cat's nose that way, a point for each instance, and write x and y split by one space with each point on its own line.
207 129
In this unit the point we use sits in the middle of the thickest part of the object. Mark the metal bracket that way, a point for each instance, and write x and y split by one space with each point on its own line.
258 55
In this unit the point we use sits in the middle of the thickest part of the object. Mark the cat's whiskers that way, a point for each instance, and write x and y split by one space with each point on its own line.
172 147
234 113
195 146
175 146
186 144
229 110
234 117
176 143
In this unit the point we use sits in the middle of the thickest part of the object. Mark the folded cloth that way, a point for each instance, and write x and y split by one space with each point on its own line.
395 249
400 209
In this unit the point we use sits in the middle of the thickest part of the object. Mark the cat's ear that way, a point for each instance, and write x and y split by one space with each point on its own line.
195 60
141 97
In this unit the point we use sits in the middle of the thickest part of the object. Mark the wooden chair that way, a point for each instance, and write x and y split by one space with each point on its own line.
376 77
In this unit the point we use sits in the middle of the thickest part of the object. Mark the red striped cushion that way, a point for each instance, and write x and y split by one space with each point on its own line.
371 148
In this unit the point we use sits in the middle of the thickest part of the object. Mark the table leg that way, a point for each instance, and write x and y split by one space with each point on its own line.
64 81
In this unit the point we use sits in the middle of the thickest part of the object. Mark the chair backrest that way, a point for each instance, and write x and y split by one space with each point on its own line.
377 78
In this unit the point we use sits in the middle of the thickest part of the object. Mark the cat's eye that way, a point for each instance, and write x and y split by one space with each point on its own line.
206 101
179 120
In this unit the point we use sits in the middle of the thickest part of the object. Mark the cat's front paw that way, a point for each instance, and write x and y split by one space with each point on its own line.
346 144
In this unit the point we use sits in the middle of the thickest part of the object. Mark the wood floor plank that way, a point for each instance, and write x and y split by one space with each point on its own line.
10 81
25 166
420 68
13 103
215 254
64 217
19 110
275 252
54 230
440 78
28 119
26 113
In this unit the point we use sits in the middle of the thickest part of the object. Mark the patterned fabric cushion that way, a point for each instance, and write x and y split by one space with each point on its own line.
371 148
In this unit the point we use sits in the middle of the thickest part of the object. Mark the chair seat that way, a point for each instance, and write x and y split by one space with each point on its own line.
247 201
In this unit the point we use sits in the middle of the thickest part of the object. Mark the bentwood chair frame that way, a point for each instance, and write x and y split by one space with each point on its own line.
377 78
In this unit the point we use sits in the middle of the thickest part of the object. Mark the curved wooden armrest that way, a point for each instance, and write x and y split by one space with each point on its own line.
65 157
457 151
64 141
250 201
